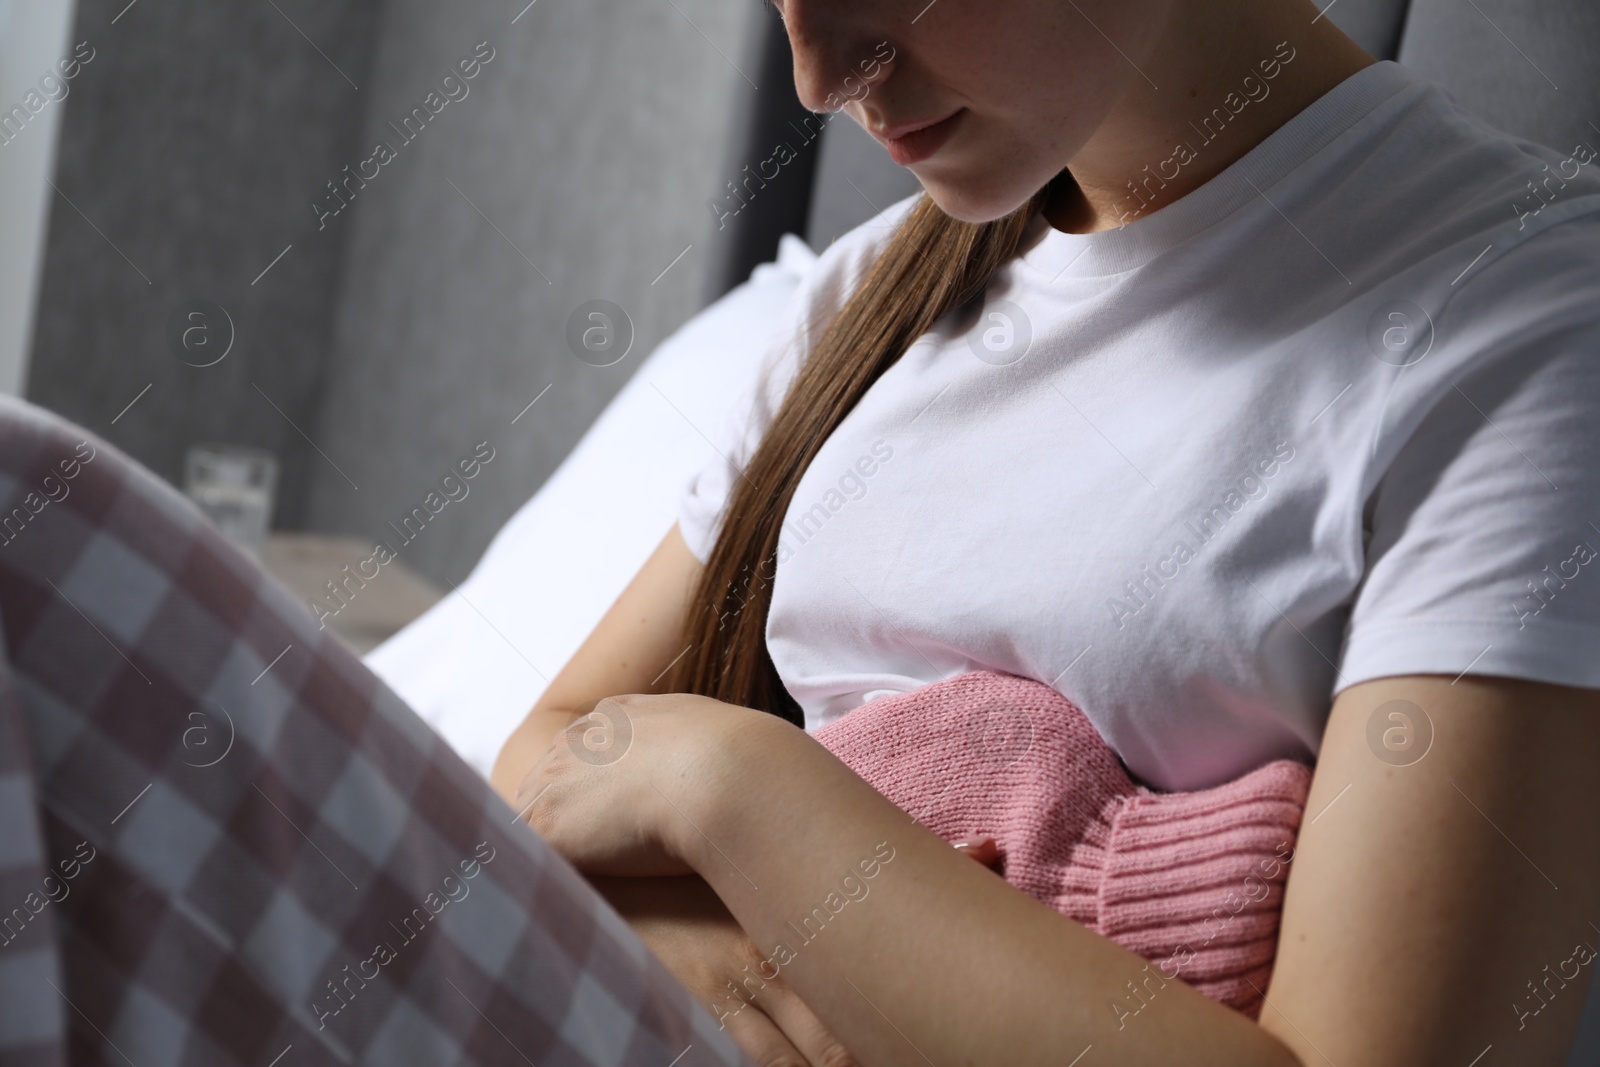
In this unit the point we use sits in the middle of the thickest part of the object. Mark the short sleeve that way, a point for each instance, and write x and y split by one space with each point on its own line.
1483 553
818 297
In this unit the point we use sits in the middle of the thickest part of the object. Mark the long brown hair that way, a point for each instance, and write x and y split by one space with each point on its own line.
933 263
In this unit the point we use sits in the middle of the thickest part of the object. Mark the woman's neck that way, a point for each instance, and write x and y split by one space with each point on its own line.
1222 79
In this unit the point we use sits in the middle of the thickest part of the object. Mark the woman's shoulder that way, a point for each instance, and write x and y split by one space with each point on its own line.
843 264
1429 175
1528 284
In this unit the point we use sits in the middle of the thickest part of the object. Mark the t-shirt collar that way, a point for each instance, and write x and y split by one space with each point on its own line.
1054 253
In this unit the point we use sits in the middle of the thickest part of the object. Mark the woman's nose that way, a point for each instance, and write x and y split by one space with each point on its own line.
837 56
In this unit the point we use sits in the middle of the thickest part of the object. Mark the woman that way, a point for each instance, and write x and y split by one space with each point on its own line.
1319 363
1237 385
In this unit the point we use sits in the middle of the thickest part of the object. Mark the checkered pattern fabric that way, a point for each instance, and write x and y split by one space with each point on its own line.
223 841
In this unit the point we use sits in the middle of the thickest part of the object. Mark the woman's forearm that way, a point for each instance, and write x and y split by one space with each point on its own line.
629 651
909 951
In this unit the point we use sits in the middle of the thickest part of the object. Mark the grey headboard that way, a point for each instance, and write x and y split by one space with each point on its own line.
1527 68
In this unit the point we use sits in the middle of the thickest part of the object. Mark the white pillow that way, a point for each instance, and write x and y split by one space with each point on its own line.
474 663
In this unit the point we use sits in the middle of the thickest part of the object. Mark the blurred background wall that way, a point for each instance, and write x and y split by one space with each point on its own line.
576 169
372 325
192 144
33 38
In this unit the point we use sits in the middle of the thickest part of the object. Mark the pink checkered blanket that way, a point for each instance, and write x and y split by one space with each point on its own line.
224 841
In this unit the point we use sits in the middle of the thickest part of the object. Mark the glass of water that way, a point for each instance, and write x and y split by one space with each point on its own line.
235 487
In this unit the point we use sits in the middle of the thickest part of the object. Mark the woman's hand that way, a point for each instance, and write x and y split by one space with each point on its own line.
683 922
602 794
686 926
605 794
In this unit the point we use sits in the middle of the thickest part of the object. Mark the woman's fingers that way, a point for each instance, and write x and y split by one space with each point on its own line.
684 923
800 1027
760 1038
980 847
757 1030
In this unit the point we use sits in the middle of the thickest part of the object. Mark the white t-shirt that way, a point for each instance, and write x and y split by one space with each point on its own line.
1332 416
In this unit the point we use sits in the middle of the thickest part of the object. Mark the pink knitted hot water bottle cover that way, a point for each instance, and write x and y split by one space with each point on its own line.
1191 881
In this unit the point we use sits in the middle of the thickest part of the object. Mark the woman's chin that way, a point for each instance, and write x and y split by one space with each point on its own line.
975 199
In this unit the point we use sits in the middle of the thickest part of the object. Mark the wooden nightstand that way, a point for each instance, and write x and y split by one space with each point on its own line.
371 611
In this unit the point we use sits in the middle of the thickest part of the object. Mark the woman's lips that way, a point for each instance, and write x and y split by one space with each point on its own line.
913 143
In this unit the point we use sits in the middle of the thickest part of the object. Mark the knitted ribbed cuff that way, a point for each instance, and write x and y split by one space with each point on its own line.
1194 881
